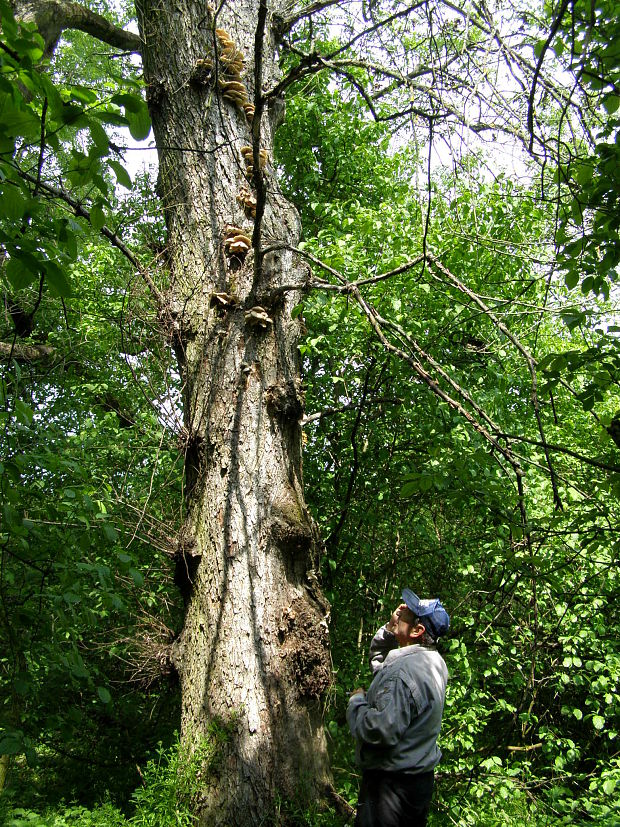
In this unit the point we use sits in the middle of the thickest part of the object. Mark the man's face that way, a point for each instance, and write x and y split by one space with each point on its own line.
408 629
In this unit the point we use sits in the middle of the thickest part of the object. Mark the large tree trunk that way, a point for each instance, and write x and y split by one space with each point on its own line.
253 655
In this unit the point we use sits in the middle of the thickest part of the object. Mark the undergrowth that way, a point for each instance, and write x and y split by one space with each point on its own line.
171 781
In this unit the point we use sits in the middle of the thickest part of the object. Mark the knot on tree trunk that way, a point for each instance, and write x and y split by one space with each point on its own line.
304 639
187 559
285 400
290 524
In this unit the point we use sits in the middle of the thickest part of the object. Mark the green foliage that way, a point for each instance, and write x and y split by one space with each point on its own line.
168 783
343 155
49 128
79 451
407 494
588 236
80 454
73 816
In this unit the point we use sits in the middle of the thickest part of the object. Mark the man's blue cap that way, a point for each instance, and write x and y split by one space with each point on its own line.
431 613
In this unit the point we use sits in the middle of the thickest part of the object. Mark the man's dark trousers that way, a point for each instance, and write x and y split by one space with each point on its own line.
394 799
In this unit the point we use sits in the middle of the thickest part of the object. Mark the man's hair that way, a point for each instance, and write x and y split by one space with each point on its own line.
426 639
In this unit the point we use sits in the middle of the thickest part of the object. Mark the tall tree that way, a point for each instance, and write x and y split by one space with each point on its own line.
253 652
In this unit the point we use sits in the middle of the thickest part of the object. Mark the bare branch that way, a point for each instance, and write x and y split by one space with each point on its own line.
26 354
377 400
561 449
52 17
530 361
285 23
547 43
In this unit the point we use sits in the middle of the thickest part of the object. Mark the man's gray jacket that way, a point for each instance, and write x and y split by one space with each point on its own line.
396 724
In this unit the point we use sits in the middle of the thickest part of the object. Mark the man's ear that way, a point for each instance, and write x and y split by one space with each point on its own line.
417 631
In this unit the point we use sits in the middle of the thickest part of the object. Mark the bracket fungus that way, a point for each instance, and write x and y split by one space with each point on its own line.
248 157
247 200
231 60
201 76
222 300
236 242
257 316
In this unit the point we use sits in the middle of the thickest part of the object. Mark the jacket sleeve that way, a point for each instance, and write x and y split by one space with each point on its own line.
384 723
382 643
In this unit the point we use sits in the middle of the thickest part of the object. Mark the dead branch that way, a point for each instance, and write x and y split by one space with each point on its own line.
529 359
52 17
27 354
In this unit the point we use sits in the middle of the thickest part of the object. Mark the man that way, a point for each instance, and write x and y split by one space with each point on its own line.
395 725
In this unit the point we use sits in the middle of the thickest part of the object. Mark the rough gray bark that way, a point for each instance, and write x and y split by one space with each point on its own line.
253 655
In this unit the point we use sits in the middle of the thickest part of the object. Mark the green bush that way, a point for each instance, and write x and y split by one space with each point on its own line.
105 815
162 801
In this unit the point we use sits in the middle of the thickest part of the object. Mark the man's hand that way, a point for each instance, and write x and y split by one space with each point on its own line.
393 621
357 692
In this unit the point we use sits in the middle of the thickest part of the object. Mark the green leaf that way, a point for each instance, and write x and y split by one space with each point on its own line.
558 47
67 237
409 489
110 532
83 94
24 412
111 117
571 279
609 785
129 101
538 47
426 482
99 136
97 217
611 103
17 122
57 280
139 124
122 176
11 745
598 721
104 694
12 203
584 174
22 269
73 115
137 114
137 577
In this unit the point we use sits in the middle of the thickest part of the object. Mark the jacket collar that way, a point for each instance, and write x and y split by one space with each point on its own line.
402 652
